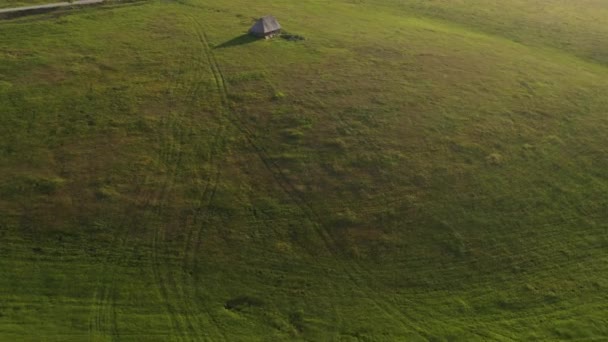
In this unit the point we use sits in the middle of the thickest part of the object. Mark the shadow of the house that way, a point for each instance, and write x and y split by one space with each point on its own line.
240 40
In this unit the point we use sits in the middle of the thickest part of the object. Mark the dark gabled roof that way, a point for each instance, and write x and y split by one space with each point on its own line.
265 25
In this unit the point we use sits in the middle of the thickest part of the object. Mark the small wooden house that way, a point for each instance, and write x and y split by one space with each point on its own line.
266 27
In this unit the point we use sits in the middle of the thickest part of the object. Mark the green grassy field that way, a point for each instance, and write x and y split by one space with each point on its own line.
412 171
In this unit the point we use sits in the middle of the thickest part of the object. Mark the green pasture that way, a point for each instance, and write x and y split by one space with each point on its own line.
411 171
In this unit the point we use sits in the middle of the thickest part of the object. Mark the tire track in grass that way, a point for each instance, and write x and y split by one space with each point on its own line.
370 208
170 154
103 321
105 295
173 157
279 176
105 313
185 291
361 270
487 279
178 296
222 89
200 221
190 275
180 293
106 316
176 304
356 273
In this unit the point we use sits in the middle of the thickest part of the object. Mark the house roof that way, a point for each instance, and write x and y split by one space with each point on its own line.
265 25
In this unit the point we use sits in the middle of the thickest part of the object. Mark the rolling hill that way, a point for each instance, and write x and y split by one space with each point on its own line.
411 171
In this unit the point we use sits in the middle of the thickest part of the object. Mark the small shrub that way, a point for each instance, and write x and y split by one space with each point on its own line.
40 185
283 247
462 306
296 319
292 37
49 185
106 192
245 77
338 144
346 219
494 159
4 85
551 297
278 95
293 134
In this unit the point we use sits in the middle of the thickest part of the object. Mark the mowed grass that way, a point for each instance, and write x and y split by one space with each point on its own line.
420 171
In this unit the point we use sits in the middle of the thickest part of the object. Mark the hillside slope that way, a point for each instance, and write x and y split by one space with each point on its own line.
416 170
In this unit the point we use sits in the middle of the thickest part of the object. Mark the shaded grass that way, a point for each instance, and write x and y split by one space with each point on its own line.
236 41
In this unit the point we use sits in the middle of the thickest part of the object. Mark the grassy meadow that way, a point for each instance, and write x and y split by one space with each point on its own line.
411 171
19 3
